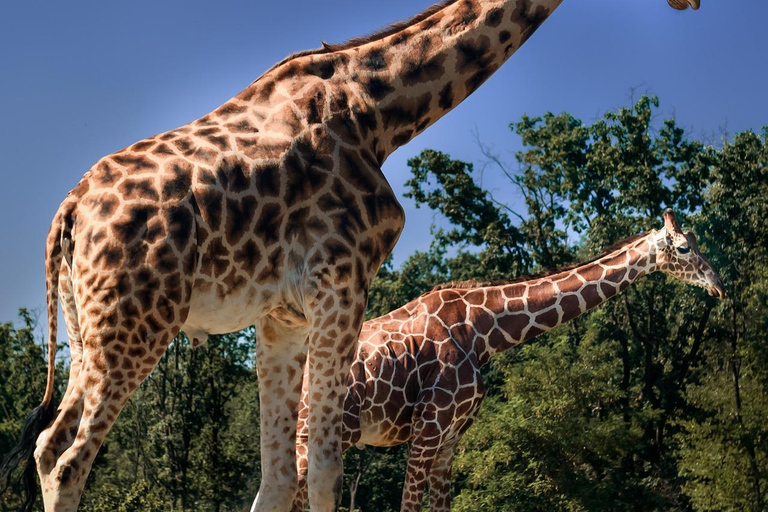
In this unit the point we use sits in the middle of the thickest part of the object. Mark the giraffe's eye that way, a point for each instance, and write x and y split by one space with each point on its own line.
684 249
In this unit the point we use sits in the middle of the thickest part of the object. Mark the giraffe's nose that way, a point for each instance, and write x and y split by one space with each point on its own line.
717 289
683 4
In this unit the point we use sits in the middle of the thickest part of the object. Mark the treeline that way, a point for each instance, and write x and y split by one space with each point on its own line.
655 401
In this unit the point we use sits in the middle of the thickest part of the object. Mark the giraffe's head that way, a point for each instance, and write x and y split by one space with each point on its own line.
681 5
677 254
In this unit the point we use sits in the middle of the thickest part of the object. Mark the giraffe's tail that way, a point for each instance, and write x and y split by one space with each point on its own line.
58 245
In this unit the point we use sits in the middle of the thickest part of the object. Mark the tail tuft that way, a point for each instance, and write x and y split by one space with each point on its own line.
23 453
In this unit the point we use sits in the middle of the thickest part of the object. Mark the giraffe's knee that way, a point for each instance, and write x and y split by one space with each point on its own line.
63 486
44 459
45 452
276 495
71 470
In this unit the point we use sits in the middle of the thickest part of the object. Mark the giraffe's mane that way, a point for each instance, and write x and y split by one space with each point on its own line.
376 35
474 283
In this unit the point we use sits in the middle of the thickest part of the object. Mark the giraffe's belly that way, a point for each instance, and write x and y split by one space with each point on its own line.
384 431
218 307
239 279
213 313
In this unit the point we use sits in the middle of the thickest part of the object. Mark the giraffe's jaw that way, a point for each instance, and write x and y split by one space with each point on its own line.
681 5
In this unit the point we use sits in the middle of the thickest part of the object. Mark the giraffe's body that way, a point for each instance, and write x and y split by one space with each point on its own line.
416 377
271 210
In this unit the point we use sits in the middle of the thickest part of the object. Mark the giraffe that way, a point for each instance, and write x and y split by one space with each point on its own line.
416 377
273 211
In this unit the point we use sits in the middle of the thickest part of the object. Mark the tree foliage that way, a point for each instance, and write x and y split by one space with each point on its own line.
612 411
22 384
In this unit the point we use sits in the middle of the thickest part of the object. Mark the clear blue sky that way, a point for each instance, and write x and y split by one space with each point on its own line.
79 80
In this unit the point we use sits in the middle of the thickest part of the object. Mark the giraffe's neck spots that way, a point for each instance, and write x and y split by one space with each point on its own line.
380 92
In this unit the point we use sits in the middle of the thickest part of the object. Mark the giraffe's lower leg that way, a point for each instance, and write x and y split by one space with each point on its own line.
107 378
57 439
328 368
440 480
281 353
302 454
428 436
66 451
302 467
419 465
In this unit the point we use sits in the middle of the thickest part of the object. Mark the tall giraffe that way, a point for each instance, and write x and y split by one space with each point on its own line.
417 378
271 210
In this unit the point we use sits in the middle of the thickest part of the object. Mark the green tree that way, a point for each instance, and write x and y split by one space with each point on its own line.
603 182
655 401
724 441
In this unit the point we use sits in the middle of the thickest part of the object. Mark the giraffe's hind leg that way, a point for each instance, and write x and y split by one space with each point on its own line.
60 435
126 317
69 308
107 378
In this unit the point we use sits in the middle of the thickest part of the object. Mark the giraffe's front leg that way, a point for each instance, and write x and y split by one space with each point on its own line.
281 354
430 426
420 457
440 479
336 323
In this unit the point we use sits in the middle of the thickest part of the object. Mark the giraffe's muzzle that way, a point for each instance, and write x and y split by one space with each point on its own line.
681 5
716 289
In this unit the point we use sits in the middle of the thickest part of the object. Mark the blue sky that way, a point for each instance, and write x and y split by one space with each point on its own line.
81 79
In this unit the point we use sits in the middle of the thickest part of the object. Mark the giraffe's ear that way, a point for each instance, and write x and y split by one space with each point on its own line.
670 223
692 240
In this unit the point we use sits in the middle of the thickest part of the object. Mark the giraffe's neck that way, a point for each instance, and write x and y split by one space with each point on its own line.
380 92
415 76
516 312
